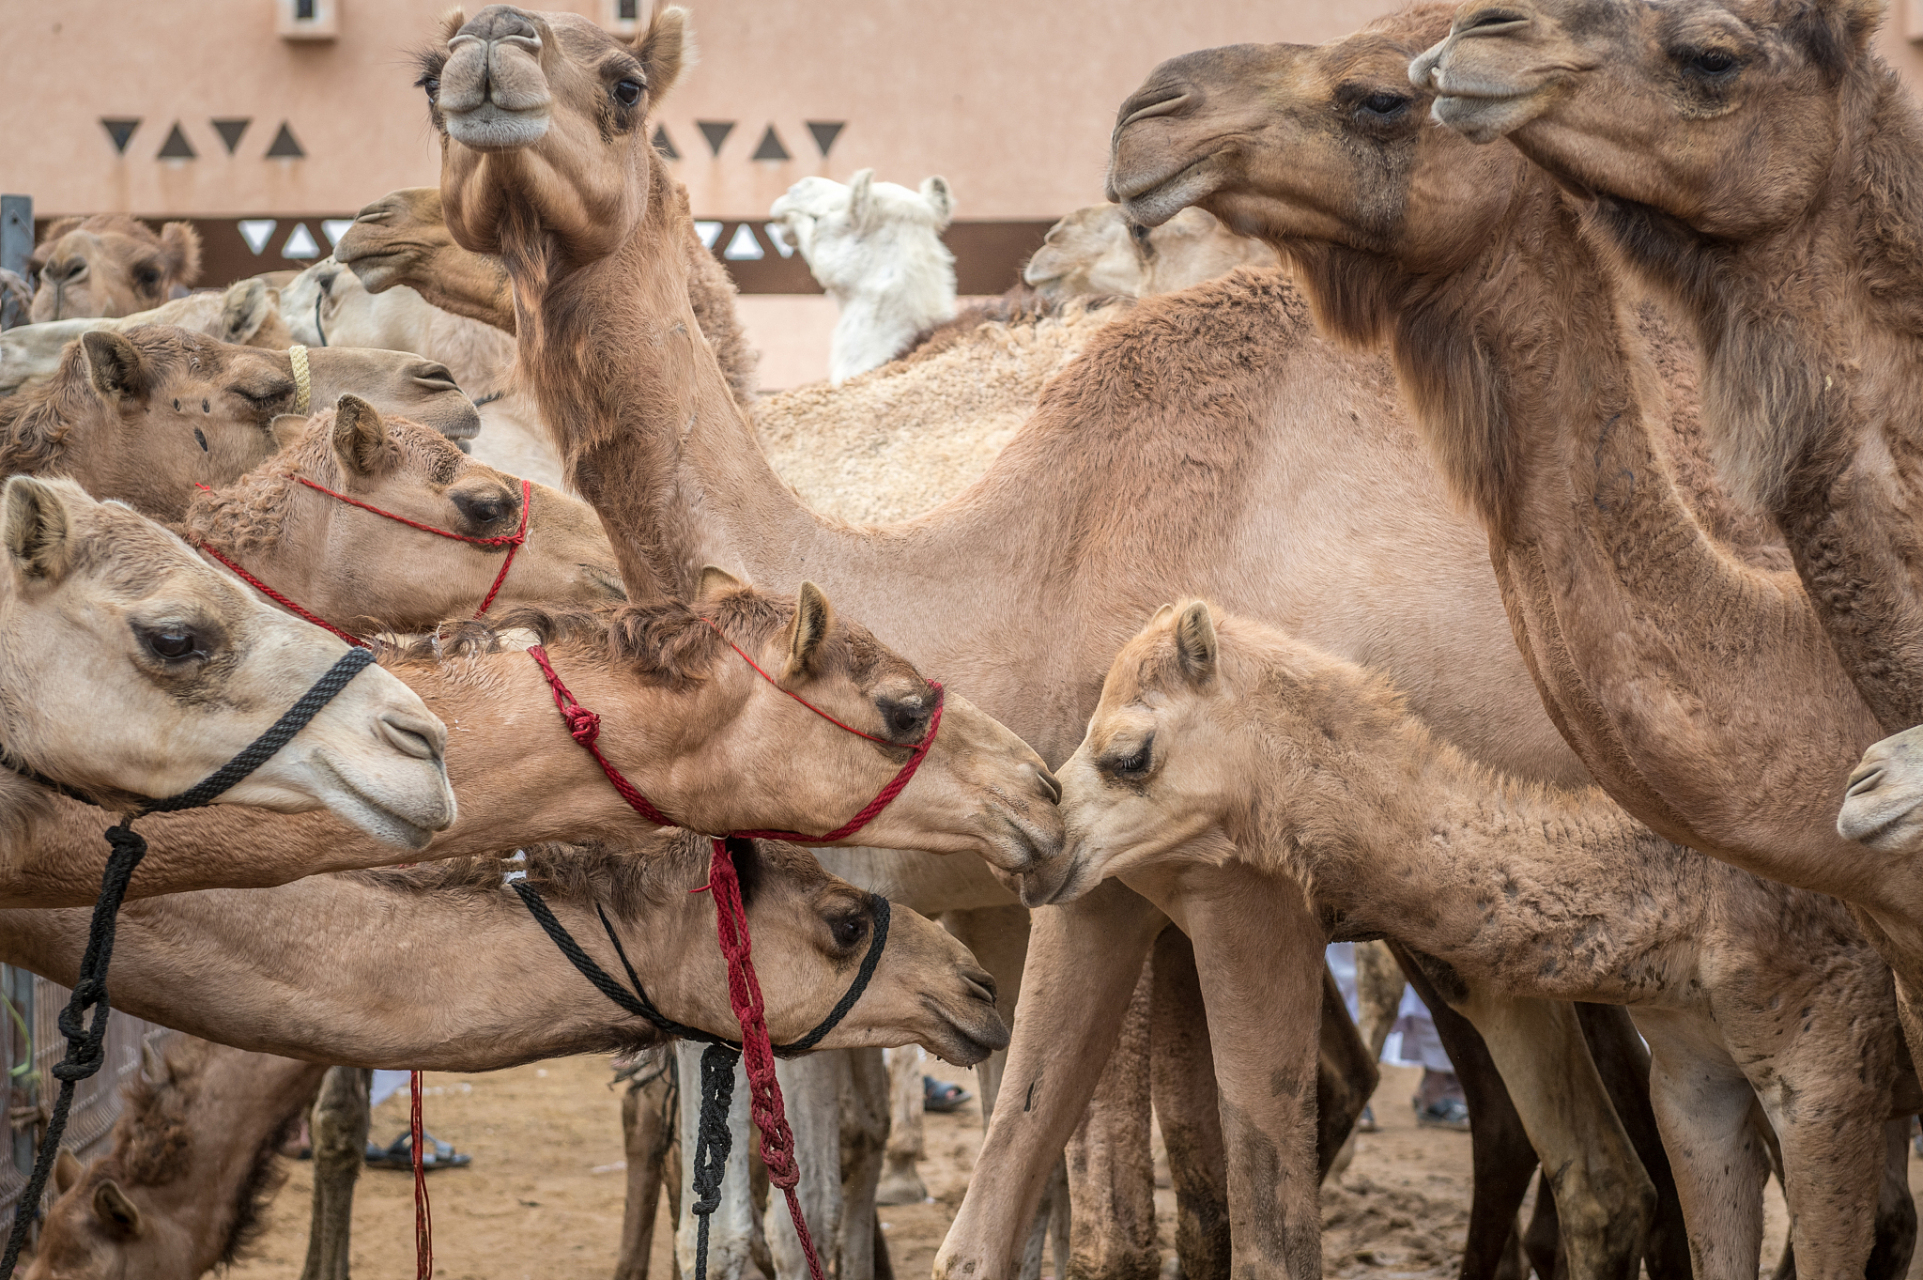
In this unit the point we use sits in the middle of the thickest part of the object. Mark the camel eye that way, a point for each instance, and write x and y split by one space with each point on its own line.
847 931
1135 763
1712 63
627 92
172 643
432 84
1385 105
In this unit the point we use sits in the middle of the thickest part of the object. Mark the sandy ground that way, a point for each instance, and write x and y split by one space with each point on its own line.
543 1196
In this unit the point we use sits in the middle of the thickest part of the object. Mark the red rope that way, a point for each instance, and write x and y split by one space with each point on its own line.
283 601
423 1212
585 727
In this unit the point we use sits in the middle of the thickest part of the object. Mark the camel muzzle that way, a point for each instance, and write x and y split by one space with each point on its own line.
494 91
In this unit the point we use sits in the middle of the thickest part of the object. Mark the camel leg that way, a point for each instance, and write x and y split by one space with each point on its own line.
647 1130
1833 1170
1702 1104
1542 1242
865 1133
1499 1147
339 1128
1083 960
731 1229
1111 1175
1623 1063
1345 1079
1378 988
1182 1083
1895 1208
900 1183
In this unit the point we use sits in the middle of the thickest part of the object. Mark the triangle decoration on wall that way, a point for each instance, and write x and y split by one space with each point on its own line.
285 148
743 247
708 231
255 232
334 229
664 144
177 147
121 131
300 243
716 132
771 148
230 131
826 131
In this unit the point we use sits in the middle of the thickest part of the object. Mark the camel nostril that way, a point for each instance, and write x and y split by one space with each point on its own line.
1163 101
65 272
983 984
411 736
1864 781
1051 784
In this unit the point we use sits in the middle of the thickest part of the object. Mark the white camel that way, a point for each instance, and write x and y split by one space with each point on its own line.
1096 251
876 248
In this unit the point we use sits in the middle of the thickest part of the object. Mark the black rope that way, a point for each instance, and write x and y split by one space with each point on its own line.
855 988
86 1040
712 1142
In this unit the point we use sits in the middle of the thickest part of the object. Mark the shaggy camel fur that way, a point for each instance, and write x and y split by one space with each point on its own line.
1221 739
1799 273
110 265
807 926
1133 481
179 669
147 415
876 248
341 563
705 737
1097 251
247 314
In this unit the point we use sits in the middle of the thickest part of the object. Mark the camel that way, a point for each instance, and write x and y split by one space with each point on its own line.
99 607
146 415
1797 275
1219 738
876 248
1096 251
110 265
1132 482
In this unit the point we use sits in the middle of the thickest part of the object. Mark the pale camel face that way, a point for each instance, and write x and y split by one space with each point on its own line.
394 235
1723 115
1883 807
1156 778
128 667
1092 251
850 233
548 108
110 266
1323 143
99 1228
329 305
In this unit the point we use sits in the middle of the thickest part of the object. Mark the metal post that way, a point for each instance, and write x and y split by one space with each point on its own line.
18 984
16 247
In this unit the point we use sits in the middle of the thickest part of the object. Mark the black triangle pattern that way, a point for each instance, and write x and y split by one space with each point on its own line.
771 148
177 147
826 131
230 131
664 144
716 132
285 148
121 131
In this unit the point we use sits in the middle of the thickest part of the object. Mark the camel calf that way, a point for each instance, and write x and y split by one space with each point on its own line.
1221 740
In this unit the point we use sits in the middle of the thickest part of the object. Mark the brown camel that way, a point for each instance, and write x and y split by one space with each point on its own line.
110 265
1797 272
133 670
808 929
699 731
1217 737
341 563
147 415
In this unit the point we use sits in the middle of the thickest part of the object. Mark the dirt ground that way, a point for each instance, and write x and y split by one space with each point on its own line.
543 1197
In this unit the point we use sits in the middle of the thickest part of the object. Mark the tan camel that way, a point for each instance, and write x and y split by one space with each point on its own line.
1097 250
1219 738
1797 272
110 265
147 415
705 737
808 929
133 670
368 575
1138 473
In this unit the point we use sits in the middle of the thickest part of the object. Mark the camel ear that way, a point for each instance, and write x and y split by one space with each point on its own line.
666 50
1195 643
35 528
360 438
66 1171
115 364
153 1067
1165 611
244 308
451 23
180 249
813 620
935 191
116 1212
861 198
716 581
286 428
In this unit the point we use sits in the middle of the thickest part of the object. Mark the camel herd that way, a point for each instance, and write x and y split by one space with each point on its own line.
1196 530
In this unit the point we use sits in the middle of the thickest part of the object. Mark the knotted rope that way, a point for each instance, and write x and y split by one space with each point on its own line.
303 381
86 1039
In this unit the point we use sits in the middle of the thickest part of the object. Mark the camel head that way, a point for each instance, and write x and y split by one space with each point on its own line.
368 574
1725 115
1883 807
545 114
132 668
394 236
110 265
856 234
1098 250
145 415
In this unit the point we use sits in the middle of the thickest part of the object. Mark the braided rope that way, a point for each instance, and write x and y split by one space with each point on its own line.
303 380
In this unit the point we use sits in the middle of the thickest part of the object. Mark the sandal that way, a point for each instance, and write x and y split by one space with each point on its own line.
941 1097
1448 1113
400 1155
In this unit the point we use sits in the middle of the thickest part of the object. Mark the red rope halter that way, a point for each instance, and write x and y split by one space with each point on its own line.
731 917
